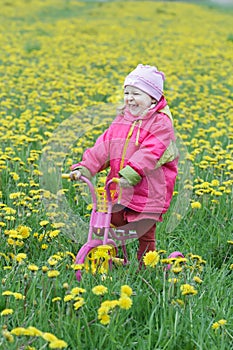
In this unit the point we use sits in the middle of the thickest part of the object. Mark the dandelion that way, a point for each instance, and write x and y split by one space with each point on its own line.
79 303
44 223
18 296
178 302
105 319
24 231
173 280
58 344
20 257
99 290
197 279
53 273
151 258
196 205
126 290
219 324
49 337
7 312
44 269
125 302
68 297
56 299
33 268
187 289
77 290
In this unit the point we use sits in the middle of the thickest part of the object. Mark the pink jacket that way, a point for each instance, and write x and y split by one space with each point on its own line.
142 150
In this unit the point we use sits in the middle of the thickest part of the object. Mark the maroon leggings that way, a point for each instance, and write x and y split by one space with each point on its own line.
145 229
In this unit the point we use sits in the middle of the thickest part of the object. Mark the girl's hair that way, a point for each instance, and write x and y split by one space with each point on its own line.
121 109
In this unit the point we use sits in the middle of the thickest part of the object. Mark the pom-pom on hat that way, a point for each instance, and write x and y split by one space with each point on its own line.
148 79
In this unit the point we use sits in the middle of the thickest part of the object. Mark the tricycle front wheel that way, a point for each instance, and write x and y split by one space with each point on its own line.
95 257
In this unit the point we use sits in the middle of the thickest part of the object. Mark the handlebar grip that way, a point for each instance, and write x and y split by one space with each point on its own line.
65 176
116 180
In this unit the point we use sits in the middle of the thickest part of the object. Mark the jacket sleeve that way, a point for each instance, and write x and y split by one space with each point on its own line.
95 158
156 149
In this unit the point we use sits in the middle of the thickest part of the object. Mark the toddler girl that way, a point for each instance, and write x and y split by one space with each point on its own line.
139 147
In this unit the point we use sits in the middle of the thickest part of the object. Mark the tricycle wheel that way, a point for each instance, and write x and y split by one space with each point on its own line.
95 257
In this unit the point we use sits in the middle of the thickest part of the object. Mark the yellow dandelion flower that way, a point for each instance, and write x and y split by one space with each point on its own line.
7 312
20 257
56 299
125 302
151 258
218 324
33 268
58 344
44 223
18 296
187 289
68 297
126 290
196 205
53 273
77 290
49 337
173 280
99 290
197 279
79 303
105 319
65 285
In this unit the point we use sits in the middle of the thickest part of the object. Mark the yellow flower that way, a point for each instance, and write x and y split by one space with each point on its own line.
105 319
58 344
151 258
173 280
125 302
68 297
196 205
187 289
18 296
53 273
126 290
33 268
56 299
20 257
44 222
218 324
77 290
197 279
49 337
79 303
24 231
7 312
99 290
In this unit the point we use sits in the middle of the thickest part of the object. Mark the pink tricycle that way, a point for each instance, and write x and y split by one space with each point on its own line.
98 255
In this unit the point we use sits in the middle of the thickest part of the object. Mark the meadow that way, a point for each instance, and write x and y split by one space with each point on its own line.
62 67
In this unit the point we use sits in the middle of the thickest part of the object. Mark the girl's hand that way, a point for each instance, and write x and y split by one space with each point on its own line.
124 183
75 175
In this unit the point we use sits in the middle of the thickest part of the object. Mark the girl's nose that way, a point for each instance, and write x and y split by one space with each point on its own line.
130 97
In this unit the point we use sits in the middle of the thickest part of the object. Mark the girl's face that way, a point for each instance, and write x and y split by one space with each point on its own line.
136 100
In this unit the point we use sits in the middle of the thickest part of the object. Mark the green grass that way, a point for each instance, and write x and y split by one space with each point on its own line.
61 58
